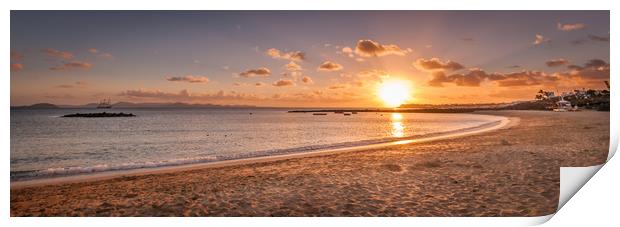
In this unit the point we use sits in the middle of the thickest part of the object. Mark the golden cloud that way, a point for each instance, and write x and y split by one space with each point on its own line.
540 39
292 56
571 27
260 72
292 66
330 66
436 64
307 80
369 48
283 82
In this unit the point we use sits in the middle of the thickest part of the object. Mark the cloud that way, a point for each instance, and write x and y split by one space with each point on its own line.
189 79
60 96
472 79
513 66
100 54
307 80
77 84
292 66
371 75
571 27
358 83
106 56
260 72
524 78
436 64
185 95
320 97
155 94
16 56
337 86
475 77
438 78
16 67
72 65
595 70
260 84
58 54
556 62
540 39
347 50
292 56
283 82
598 38
369 48
330 66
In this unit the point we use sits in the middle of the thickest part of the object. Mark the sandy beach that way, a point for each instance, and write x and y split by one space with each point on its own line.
512 171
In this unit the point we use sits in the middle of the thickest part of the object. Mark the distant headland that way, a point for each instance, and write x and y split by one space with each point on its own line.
130 105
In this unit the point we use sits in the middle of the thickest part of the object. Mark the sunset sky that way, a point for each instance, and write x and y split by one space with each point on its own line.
304 58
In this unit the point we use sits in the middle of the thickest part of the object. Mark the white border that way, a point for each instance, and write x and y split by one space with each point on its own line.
297 5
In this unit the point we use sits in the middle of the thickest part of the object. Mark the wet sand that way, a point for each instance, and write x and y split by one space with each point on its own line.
513 171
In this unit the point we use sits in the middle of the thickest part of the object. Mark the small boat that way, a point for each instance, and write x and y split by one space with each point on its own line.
564 106
347 114
319 113
354 112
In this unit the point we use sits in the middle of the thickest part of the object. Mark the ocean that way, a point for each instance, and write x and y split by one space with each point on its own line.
44 145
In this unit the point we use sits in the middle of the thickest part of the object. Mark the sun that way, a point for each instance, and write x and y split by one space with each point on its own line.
394 92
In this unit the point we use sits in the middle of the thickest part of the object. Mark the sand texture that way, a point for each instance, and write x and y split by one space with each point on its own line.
512 171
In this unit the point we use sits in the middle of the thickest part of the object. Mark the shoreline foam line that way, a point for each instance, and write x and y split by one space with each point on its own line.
505 122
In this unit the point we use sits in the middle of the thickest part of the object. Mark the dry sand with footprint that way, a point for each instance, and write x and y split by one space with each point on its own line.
512 171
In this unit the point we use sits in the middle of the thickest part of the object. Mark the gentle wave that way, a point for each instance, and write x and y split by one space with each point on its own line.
67 171
55 172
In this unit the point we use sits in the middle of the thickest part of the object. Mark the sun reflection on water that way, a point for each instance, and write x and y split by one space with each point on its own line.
398 129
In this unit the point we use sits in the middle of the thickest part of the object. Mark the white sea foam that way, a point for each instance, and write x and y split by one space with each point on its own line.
51 172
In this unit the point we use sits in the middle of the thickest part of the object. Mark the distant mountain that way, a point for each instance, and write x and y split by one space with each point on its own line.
37 106
176 105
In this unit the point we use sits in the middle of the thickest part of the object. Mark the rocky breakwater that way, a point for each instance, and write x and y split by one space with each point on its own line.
102 114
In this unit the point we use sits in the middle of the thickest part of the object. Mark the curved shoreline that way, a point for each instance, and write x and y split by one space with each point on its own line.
505 122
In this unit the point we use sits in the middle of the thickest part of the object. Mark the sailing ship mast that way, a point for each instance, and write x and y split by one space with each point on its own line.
105 104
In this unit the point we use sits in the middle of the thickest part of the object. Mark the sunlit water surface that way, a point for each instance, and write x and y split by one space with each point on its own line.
45 145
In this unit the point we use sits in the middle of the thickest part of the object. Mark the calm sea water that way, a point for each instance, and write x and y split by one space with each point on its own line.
46 145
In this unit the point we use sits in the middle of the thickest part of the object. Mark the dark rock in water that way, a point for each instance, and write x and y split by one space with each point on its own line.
103 114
